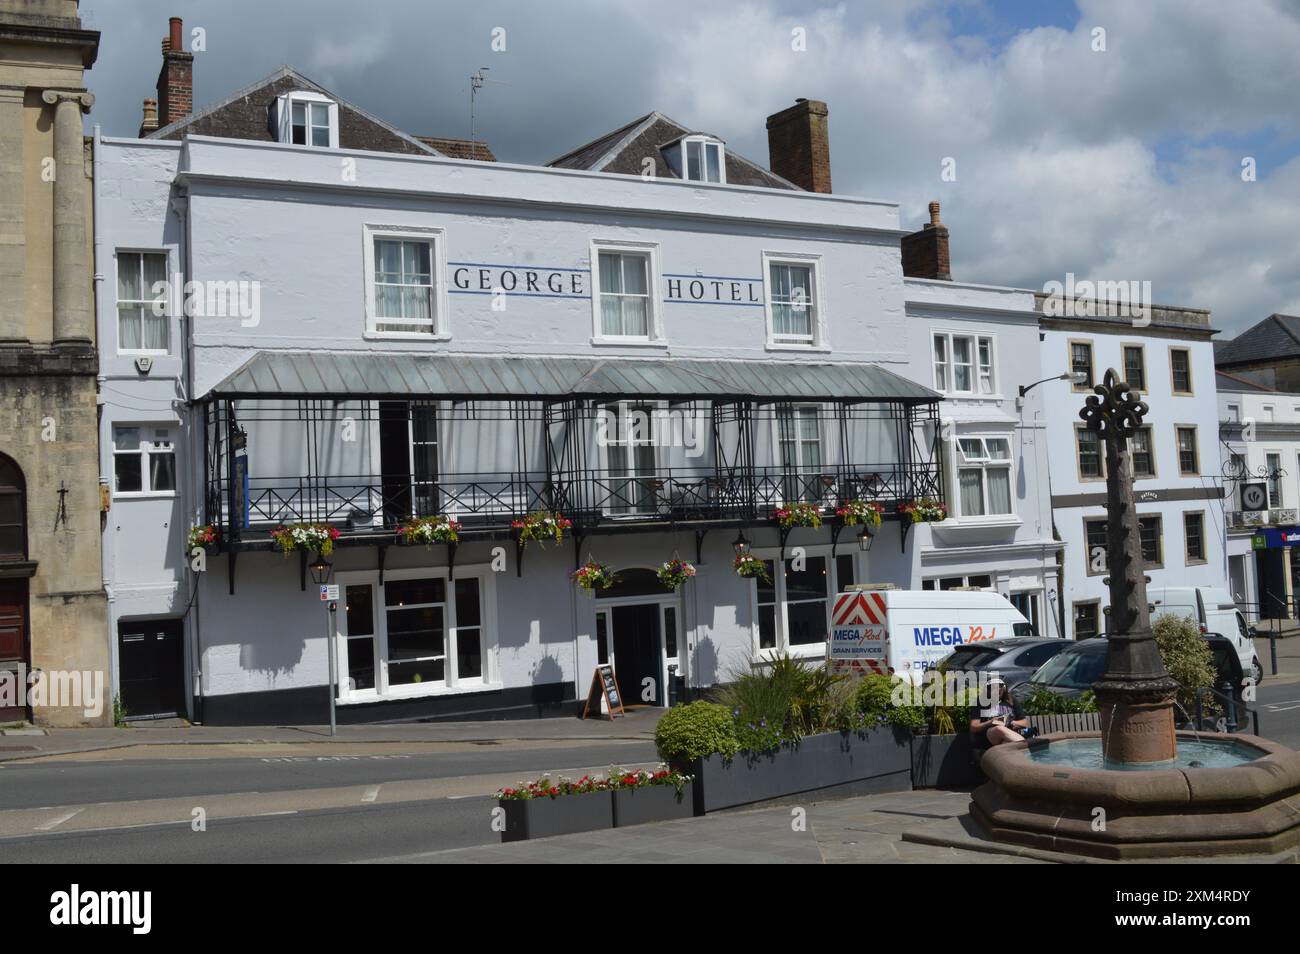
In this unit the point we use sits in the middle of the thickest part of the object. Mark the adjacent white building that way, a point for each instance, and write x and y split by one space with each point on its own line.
1176 461
1260 463
977 345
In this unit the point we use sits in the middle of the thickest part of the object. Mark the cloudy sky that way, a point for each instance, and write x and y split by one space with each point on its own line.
1122 163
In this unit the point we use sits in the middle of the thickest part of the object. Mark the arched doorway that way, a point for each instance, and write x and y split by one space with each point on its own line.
638 630
15 571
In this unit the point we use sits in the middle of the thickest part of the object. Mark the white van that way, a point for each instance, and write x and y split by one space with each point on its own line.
1215 612
878 629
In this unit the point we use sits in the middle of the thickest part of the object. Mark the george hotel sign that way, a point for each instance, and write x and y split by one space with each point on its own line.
532 281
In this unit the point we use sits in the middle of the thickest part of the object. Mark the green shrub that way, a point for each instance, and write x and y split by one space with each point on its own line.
874 693
782 701
1187 656
906 717
1043 701
690 732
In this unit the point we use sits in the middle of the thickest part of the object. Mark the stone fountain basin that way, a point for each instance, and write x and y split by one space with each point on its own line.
1253 807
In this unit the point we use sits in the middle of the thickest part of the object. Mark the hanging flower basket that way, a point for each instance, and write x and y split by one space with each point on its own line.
305 536
857 513
430 530
202 537
751 567
925 510
593 575
675 572
798 515
541 525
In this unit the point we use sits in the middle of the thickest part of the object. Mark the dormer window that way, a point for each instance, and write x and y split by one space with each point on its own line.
697 158
308 119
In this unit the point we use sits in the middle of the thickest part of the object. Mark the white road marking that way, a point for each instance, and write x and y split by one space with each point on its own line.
371 794
59 820
1277 708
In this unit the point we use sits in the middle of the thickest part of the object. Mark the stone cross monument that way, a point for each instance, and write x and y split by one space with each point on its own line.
1135 693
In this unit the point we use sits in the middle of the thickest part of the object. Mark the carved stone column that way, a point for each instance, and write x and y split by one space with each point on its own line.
13 199
1135 693
73 318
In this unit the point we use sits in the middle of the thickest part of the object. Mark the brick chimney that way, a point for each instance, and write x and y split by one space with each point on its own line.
150 121
176 79
798 145
925 253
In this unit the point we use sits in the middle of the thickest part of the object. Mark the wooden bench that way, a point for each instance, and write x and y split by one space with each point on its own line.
1067 722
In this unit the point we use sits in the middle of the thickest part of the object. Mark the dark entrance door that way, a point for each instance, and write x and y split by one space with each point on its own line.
13 642
637 652
151 661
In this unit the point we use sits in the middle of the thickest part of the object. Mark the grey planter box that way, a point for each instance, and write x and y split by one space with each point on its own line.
654 803
562 815
847 763
944 761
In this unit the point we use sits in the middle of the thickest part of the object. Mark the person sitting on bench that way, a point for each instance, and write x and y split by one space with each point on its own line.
1003 721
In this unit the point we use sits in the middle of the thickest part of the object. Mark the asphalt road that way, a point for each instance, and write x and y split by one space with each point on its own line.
36 783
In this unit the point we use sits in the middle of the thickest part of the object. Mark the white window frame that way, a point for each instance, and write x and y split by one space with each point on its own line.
778 458
146 449
949 384
705 142
451 684
654 409
818 324
168 295
782 619
654 297
284 117
436 238
984 463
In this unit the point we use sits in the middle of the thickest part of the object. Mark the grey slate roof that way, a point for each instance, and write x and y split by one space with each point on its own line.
1275 338
624 149
246 114
368 375
1224 381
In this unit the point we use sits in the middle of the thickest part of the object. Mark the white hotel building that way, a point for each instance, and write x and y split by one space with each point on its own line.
439 336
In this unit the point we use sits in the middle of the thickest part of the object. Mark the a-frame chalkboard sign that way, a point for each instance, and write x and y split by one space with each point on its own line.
604 684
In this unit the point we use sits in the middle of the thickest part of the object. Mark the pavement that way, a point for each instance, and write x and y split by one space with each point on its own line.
1288 657
861 830
149 739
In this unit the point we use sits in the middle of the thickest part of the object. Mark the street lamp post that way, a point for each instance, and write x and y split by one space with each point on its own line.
320 573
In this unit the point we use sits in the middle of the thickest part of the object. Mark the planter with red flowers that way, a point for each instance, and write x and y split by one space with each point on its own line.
858 513
925 510
751 567
798 515
429 530
201 537
641 797
311 537
594 575
674 573
540 525
547 807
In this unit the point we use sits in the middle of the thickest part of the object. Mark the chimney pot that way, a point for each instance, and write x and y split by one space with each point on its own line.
150 121
798 145
176 78
925 251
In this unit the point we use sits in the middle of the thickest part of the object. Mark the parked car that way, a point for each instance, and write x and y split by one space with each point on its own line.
1014 659
1215 612
1075 669
1070 672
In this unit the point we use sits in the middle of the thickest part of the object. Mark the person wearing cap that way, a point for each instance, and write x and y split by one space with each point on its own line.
1003 721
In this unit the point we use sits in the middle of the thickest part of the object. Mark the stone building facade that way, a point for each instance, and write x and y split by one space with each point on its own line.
52 602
